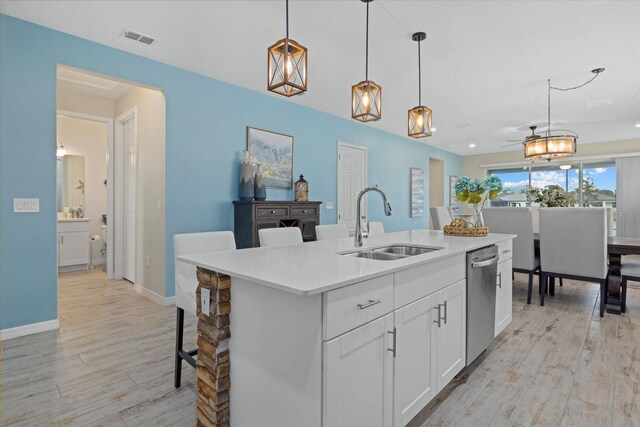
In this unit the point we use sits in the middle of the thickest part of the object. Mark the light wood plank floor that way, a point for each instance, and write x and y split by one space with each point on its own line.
111 364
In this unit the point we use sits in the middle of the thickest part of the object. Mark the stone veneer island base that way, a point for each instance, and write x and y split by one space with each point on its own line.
213 364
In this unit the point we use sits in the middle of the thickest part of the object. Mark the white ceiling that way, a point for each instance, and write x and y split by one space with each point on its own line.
485 63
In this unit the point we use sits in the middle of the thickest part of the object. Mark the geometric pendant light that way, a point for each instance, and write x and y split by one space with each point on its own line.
419 120
287 65
366 96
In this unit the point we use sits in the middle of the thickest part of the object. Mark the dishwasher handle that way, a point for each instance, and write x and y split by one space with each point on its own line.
485 263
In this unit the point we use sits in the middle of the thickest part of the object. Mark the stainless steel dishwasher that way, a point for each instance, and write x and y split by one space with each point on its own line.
482 269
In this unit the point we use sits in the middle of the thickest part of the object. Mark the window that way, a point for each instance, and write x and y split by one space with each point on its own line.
584 184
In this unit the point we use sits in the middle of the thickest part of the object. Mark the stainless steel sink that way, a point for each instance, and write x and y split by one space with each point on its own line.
406 250
391 252
380 256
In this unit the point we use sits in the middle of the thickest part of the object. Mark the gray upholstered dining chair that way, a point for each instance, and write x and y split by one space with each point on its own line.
517 221
186 283
573 245
629 270
440 216
279 236
331 231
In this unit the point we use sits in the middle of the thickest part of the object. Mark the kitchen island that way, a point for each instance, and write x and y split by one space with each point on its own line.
313 335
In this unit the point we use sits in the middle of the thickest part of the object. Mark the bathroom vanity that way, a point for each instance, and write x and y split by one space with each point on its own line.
323 334
73 244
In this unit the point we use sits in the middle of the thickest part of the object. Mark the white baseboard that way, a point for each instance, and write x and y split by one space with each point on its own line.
32 328
155 297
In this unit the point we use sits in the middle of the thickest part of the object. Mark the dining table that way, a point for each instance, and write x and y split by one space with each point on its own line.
616 248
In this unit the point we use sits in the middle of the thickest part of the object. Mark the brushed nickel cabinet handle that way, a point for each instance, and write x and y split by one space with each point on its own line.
371 302
445 312
393 350
439 318
500 280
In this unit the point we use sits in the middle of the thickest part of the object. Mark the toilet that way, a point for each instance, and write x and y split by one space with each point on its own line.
104 234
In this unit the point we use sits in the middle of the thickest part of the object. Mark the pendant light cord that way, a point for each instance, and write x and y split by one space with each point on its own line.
419 75
287 15
366 61
548 107
596 74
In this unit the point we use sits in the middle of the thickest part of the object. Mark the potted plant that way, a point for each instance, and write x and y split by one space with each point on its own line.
476 192
551 196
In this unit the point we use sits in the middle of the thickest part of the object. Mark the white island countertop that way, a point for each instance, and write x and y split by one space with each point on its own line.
314 267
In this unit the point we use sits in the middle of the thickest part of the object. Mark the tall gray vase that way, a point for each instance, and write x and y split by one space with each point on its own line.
246 179
260 190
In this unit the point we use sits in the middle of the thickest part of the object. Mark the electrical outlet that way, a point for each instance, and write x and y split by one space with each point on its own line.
148 260
205 300
159 205
328 205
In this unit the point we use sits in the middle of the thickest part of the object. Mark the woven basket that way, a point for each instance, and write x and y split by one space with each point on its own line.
462 228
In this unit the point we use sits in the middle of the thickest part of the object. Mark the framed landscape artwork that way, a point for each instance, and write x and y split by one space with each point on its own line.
274 151
417 192
454 203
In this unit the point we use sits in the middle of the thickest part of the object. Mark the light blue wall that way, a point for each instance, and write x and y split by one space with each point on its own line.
206 130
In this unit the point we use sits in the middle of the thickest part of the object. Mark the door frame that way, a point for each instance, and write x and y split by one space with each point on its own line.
339 180
109 154
115 207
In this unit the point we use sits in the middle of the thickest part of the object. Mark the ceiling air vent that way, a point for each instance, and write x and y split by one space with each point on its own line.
138 37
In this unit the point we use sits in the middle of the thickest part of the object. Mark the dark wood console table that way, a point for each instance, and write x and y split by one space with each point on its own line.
249 217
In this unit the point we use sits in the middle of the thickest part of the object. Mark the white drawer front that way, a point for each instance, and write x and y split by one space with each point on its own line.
349 307
415 283
505 250
70 226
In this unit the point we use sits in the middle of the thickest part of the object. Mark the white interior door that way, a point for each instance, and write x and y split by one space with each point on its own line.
352 178
129 199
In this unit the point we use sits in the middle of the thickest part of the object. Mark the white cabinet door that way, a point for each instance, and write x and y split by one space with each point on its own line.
415 368
504 296
450 332
73 248
358 377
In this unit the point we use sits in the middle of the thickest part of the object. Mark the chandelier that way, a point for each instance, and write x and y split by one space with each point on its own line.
553 143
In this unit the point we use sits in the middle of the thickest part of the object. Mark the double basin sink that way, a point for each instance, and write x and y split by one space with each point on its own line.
391 252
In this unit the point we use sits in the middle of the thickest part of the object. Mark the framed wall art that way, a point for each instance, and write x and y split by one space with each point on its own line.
274 151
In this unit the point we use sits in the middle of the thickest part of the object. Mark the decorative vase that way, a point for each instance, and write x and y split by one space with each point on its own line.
260 190
479 219
246 178
302 190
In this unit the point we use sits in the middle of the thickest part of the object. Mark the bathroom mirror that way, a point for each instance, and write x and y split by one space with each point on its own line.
70 182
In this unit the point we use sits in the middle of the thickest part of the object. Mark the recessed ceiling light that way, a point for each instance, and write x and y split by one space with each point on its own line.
638 125
433 129
565 167
472 145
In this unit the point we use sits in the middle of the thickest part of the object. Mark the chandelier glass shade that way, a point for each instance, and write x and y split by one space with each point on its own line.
547 147
287 65
366 96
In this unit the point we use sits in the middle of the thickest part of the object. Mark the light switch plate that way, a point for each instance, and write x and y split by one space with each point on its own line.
26 205
205 300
